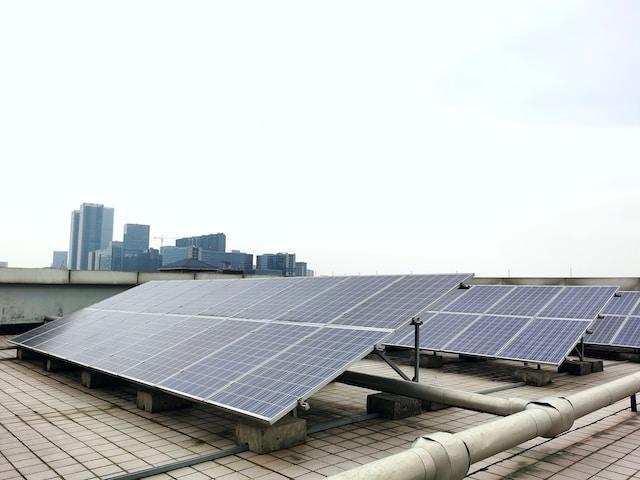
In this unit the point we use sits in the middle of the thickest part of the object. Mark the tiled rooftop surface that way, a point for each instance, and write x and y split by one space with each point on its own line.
52 427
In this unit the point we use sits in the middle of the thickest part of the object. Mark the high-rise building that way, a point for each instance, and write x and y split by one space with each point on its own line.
91 229
109 258
59 259
173 254
216 242
285 263
135 238
4 264
301 269
234 259
147 261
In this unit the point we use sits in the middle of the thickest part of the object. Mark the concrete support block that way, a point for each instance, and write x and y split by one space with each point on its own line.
631 357
155 402
97 380
393 407
596 365
55 365
430 406
25 354
533 376
427 360
575 367
470 358
285 433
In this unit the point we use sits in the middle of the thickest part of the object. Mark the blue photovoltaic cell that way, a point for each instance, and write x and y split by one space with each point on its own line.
212 294
452 296
128 297
629 335
179 356
622 304
277 385
405 336
578 302
487 335
277 305
604 329
394 306
263 290
526 301
441 328
545 341
478 299
215 371
331 304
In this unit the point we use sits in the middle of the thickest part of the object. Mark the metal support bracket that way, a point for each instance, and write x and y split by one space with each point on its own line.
416 322
634 406
381 354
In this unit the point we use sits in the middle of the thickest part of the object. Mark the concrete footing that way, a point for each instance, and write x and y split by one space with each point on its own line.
55 365
393 407
432 406
285 433
470 358
24 354
631 357
97 380
575 367
534 376
159 402
427 361
596 365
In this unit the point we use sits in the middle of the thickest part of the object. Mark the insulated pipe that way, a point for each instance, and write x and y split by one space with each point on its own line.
453 454
444 396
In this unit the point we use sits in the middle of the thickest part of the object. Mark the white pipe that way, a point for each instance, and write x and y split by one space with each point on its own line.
453 454
443 396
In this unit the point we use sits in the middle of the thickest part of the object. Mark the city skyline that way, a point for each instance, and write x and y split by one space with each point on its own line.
499 141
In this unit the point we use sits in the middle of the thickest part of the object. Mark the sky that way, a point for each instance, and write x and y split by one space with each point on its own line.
496 137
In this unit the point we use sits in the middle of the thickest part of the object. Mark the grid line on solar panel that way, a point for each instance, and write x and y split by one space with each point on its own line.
578 302
399 302
624 304
544 340
276 386
275 306
442 327
526 301
604 330
406 335
332 303
486 336
629 333
479 299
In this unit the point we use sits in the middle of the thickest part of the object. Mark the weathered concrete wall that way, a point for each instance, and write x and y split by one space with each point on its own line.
625 283
28 295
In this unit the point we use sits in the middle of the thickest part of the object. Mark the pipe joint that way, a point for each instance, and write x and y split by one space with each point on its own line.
449 453
561 412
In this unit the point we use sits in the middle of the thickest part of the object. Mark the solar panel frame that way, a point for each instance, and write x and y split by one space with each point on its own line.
158 292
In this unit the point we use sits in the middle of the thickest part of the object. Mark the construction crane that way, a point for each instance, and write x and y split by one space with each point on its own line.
162 239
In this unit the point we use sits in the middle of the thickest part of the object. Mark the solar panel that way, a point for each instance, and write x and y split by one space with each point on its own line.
544 341
506 321
629 334
605 329
252 346
622 304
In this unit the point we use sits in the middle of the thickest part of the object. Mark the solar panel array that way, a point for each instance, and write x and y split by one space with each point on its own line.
539 324
251 346
620 325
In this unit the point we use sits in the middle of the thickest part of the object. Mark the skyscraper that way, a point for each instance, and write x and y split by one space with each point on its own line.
135 238
91 229
59 259
216 242
285 263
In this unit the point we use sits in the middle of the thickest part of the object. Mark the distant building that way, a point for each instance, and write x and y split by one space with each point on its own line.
91 230
310 273
109 258
4 264
59 259
135 238
174 254
234 259
216 242
301 269
147 261
285 263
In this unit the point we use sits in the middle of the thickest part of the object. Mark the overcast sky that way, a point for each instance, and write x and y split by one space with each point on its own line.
388 137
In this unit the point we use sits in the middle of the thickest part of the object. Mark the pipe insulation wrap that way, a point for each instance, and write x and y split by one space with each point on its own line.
595 398
451 455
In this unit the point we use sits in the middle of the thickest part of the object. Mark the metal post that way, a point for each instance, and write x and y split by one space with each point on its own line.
634 407
581 353
416 322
